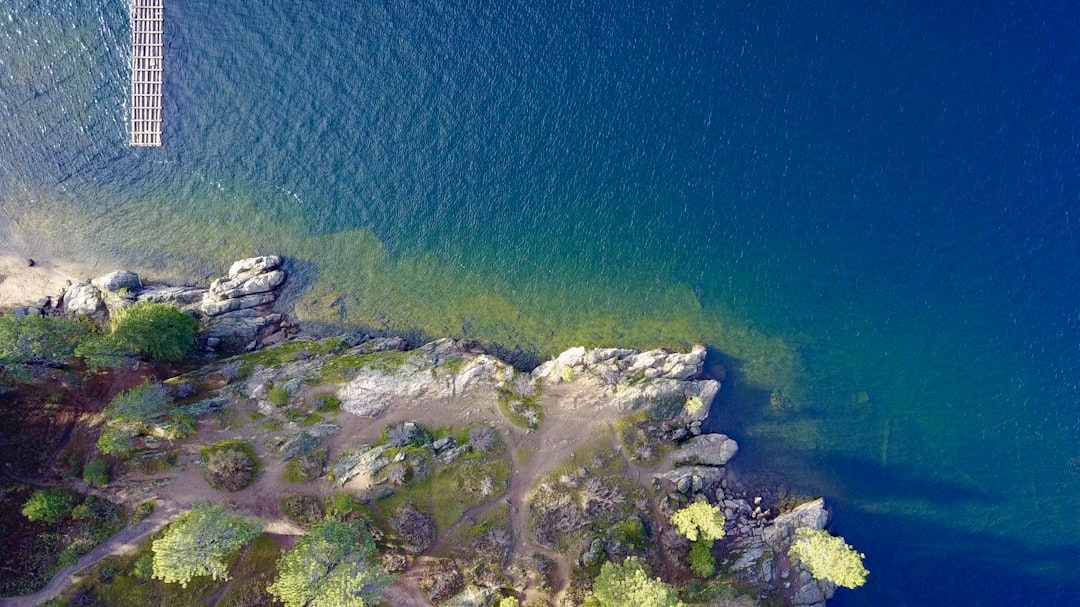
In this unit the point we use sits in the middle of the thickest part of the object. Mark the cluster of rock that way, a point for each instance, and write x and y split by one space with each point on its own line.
667 384
627 380
236 310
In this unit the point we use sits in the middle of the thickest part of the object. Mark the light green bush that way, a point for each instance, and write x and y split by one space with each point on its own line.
828 557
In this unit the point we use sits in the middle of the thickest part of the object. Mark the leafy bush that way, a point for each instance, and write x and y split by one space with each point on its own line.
416 528
34 339
828 557
101 352
49 506
305 466
631 584
343 507
303 508
96 472
197 543
156 330
700 520
331 566
229 465
116 441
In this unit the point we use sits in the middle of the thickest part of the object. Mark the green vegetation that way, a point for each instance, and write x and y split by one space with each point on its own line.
40 340
694 404
341 369
277 395
702 562
700 520
99 351
50 506
828 557
197 542
144 409
302 508
631 584
156 330
327 403
305 467
229 465
280 354
144 509
331 566
523 410
96 472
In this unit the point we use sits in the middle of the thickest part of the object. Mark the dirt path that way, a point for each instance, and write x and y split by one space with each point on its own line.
127 541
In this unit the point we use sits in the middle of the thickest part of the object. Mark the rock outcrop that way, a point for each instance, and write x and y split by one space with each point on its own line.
235 310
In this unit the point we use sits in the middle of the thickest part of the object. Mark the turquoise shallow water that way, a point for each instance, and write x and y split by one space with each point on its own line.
886 194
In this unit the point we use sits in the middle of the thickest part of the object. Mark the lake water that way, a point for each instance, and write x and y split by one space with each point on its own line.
872 208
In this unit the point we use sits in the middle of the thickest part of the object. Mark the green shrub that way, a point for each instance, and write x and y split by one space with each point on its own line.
96 472
48 340
277 395
303 508
828 557
198 542
144 509
156 330
328 403
229 465
50 506
305 466
701 558
101 352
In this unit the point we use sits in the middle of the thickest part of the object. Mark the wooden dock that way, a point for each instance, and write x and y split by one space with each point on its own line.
146 25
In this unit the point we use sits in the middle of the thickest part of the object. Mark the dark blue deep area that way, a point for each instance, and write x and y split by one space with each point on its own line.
890 186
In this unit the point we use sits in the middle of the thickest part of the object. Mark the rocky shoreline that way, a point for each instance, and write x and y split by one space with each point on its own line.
236 310
237 313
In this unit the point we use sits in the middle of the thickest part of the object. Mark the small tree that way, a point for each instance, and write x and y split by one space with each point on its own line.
828 557
330 566
700 520
50 506
701 559
632 584
156 330
197 543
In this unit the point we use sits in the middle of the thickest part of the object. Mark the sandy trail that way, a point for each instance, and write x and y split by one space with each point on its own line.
23 285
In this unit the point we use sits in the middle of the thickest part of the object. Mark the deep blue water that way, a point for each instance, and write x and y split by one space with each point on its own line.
888 189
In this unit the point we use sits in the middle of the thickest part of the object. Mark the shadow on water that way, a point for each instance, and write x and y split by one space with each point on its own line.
927 562
930 564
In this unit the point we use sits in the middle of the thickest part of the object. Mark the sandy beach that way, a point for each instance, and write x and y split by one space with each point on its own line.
22 284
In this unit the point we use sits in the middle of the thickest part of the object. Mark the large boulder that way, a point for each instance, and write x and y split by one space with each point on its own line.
84 300
254 265
228 287
706 450
120 280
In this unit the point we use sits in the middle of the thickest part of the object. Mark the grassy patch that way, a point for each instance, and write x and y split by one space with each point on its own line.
452 489
305 467
327 403
523 410
151 462
280 354
340 369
